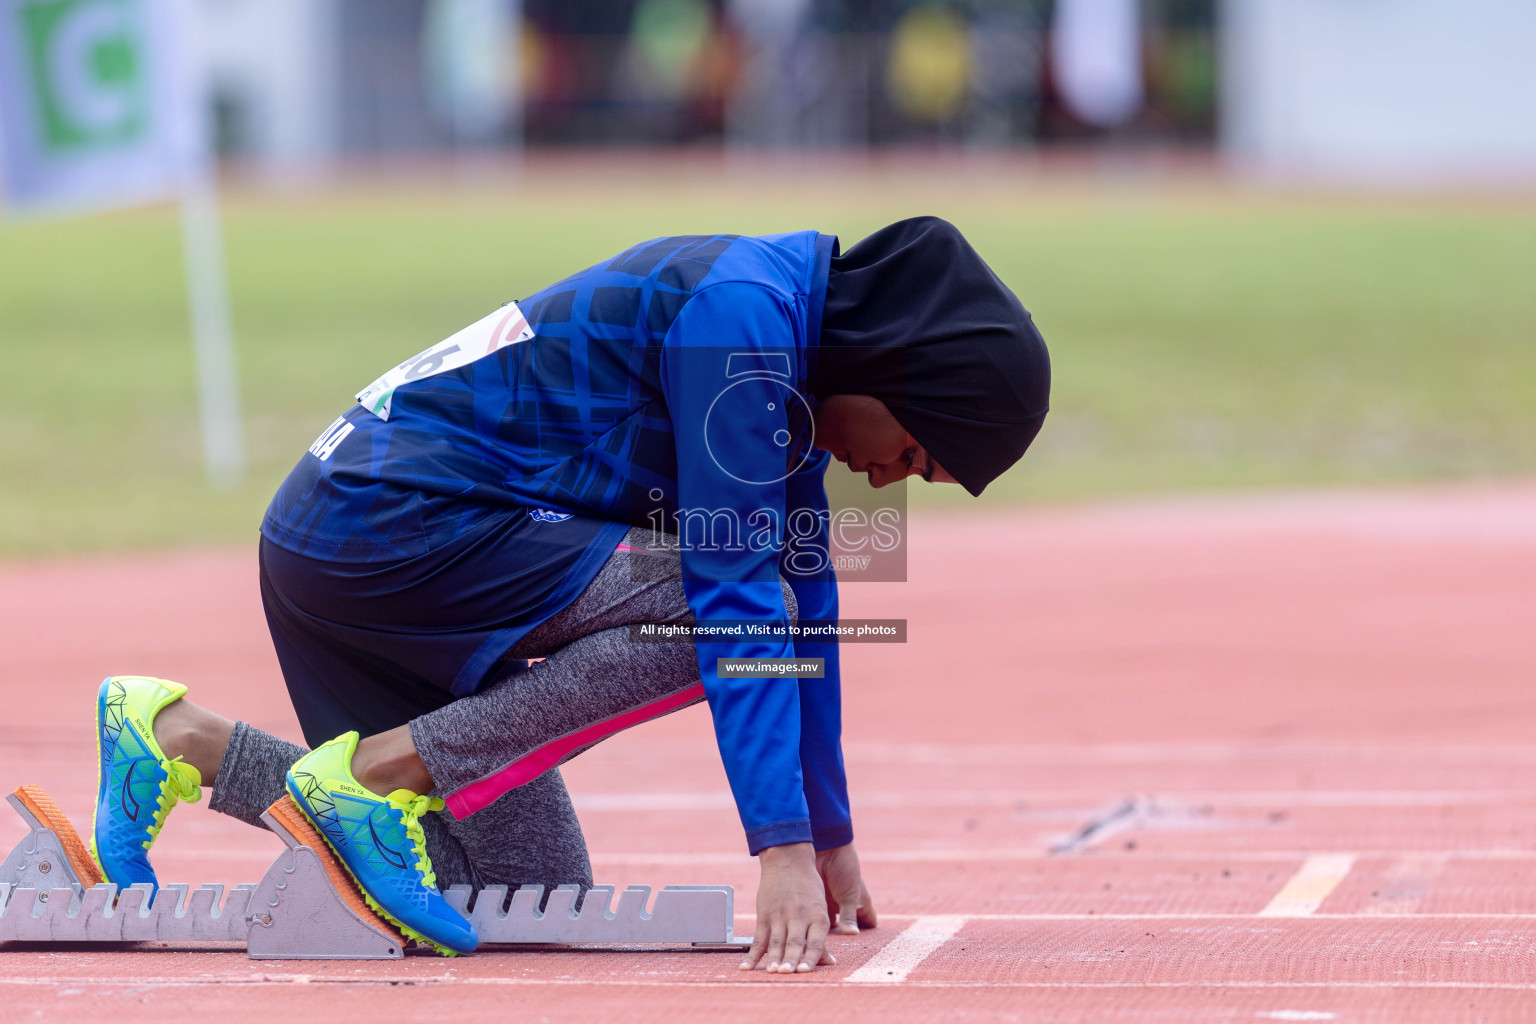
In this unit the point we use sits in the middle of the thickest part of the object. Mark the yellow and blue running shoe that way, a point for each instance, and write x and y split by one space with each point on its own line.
380 842
137 785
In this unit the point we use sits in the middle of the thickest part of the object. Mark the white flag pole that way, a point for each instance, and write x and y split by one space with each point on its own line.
218 388
213 340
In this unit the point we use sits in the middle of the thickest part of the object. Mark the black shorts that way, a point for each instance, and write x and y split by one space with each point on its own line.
371 645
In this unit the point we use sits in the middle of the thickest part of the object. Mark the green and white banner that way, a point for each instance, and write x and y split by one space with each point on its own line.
97 102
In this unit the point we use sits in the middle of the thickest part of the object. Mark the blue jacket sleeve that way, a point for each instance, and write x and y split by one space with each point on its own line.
808 567
730 427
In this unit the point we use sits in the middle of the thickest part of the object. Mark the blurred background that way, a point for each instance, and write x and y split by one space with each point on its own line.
1272 243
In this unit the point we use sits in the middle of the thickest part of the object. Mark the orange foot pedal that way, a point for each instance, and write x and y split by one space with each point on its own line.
56 857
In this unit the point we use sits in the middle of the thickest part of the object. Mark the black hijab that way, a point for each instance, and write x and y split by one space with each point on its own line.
916 319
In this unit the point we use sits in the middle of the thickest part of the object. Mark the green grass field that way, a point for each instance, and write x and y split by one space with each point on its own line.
1200 341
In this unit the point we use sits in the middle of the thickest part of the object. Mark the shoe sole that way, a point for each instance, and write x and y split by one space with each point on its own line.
101 773
42 807
320 842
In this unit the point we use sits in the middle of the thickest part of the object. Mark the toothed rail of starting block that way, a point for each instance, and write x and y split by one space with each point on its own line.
100 914
681 915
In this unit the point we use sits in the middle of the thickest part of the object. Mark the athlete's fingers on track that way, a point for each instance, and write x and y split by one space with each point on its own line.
795 948
847 896
776 946
759 945
815 952
846 904
866 916
834 906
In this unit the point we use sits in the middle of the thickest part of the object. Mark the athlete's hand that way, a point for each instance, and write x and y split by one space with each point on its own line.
848 900
792 918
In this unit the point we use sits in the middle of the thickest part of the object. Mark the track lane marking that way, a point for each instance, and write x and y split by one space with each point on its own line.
1032 853
721 800
905 952
138 984
1362 916
930 856
1306 890
1491 756
1405 884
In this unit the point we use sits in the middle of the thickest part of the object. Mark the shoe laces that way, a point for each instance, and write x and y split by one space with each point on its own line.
410 813
182 782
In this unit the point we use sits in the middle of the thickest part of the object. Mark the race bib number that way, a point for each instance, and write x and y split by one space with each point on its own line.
506 326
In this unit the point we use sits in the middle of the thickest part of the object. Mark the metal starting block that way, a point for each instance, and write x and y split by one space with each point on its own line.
682 915
307 907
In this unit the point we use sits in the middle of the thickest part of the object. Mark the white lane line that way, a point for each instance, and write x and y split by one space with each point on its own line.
1318 876
1490 756
140 984
900 958
1363 917
1028 853
721 800
970 855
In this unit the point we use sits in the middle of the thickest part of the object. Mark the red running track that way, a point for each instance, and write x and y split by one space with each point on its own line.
1301 726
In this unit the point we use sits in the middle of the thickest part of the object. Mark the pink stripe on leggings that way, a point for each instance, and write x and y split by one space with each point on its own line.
530 766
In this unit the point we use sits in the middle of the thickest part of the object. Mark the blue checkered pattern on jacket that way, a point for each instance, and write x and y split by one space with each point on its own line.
571 420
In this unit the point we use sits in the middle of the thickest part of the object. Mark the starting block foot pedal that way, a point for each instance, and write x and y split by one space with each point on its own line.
52 856
307 907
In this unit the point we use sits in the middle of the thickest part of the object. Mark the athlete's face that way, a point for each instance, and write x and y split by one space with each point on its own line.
861 433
